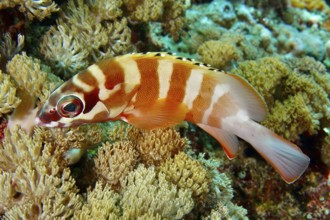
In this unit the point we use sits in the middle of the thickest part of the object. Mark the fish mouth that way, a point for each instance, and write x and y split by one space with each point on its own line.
49 124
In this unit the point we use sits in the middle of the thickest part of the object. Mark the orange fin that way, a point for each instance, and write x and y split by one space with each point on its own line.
228 141
163 113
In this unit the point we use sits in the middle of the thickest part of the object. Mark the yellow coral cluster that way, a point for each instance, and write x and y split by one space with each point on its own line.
311 5
33 81
145 192
39 9
218 54
158 145
287 90
8 99
153 146
170 12
187 173
265 75
33 181
114 161
72 142
85 34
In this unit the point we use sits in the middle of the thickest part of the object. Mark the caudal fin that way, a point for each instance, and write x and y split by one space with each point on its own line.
287 159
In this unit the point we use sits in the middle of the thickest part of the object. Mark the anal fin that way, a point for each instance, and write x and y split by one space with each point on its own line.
163 113
228 141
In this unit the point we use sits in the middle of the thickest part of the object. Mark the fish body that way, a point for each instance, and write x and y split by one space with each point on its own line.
157 90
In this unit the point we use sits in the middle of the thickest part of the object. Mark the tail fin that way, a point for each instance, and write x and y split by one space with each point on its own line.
287 159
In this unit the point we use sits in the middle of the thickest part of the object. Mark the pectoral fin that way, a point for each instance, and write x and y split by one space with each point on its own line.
228 141
161 114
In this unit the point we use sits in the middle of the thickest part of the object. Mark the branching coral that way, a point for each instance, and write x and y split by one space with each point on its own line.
33 181
115 161
39 9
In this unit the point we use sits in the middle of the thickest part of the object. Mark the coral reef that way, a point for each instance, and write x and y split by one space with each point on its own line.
116 171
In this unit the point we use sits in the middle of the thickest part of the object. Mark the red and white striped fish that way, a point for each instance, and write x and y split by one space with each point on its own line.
157 90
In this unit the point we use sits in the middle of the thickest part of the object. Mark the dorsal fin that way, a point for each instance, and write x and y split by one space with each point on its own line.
243 95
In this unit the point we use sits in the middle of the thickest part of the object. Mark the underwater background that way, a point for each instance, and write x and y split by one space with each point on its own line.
116 171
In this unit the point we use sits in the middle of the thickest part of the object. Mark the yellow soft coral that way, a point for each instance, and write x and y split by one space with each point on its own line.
265 75
218 54
8 99
311 5
143 192
39 9
84 35
33 181
158 145
153 146
33 82
73 142
169 12
115 161
101 203
187 173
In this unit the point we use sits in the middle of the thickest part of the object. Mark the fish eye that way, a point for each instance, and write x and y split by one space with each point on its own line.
69 106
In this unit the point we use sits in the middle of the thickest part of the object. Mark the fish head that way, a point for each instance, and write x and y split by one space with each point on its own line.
68 108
